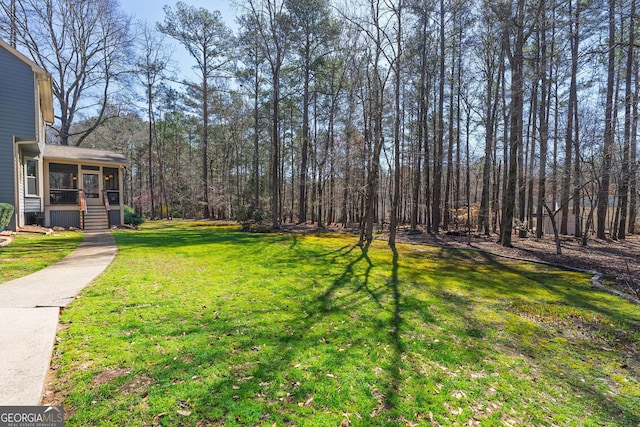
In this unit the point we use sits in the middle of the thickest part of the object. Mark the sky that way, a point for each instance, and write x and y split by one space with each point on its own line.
152 11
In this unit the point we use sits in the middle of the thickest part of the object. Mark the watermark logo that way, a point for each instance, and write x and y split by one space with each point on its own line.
31 416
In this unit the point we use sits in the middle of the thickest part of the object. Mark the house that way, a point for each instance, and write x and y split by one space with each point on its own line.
47 184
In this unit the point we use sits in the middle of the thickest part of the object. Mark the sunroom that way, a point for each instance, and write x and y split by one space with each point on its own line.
84 187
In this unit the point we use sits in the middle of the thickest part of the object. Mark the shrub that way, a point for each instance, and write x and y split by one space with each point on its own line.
248 214
6 210
131 217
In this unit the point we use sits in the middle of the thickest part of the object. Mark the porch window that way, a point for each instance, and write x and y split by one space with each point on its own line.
31 177
112 185
63 184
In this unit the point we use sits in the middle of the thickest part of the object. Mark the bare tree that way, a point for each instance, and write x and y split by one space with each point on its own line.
151 66
397 67
628 120
272 23
84 45
491 56
207 40
543 129
607 150
312 34
517 29
252 79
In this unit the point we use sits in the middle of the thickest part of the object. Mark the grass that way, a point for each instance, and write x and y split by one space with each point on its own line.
198 324
31 252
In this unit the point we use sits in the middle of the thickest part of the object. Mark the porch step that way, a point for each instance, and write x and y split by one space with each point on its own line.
96 219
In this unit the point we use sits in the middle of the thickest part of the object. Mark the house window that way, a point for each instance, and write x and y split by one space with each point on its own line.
31 177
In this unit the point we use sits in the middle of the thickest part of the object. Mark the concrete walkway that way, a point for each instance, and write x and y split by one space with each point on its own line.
29 310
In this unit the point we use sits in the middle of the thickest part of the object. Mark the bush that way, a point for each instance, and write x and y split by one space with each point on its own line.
6 210
248 214
131 217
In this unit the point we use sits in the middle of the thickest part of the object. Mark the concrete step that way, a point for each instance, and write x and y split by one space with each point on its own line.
96 219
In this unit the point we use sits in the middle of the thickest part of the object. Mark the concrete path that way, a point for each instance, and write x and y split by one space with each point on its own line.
29 310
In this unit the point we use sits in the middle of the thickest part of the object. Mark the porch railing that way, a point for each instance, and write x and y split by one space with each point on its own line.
83 207
64 197
83 201
105 197
113 196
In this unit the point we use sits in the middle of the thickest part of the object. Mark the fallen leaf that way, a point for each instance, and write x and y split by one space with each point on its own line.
156 419
184 412
458 394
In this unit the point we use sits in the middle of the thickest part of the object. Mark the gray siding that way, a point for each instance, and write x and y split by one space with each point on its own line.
17 117
32 204
64 219
114 218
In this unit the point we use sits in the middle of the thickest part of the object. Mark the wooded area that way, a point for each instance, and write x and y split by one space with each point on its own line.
437 114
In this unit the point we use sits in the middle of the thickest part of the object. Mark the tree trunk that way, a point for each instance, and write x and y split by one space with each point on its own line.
395 203
628 120
607 151
543 129
516 60
205 144
256 144
633 184
275 150
302 198
439 148
150 147
450 139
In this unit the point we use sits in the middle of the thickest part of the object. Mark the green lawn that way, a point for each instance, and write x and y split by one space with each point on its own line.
31 252
198 324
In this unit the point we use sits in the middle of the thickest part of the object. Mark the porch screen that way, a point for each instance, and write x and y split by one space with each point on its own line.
111 181
63 184
112 185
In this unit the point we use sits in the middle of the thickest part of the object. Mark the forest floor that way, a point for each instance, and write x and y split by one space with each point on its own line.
617 260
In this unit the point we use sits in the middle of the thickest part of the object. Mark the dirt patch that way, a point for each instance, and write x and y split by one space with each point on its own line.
108 375
138 385
5 240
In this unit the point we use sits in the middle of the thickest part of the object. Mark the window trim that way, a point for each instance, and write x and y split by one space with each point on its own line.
31 178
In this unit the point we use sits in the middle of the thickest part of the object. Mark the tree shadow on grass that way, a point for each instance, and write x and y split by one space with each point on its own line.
277 353
279 361
325 300
559 294
582 294
254 367
395 376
